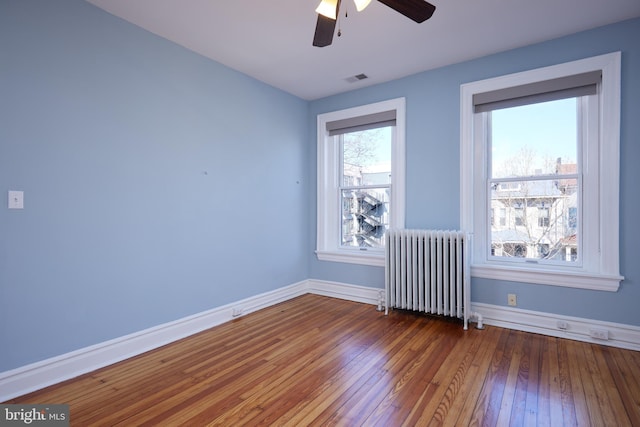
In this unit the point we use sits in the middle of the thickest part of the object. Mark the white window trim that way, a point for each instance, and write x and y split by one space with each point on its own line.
328 226
600 274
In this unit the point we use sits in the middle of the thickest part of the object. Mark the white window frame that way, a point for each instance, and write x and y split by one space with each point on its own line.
328 197
600 269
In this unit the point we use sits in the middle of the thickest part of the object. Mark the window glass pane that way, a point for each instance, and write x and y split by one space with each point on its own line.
366 157
537 219
366 179
534 139
365 217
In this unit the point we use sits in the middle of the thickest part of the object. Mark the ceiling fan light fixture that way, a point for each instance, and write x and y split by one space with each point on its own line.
361 4
328 8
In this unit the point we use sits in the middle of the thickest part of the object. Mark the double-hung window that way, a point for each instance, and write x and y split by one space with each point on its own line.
360 181
540 150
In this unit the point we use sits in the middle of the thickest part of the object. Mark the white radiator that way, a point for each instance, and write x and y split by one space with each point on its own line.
428 271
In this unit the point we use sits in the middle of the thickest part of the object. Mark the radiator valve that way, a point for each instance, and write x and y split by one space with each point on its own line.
478 316
380 301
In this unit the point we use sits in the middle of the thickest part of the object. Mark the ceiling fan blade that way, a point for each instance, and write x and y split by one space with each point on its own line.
325 27
417 10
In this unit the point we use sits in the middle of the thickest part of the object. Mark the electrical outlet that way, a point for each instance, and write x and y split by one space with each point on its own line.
512 300
599 334
563 325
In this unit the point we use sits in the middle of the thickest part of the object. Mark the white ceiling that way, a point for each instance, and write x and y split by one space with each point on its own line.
270 40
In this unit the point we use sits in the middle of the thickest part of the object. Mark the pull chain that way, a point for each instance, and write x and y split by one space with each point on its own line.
346 15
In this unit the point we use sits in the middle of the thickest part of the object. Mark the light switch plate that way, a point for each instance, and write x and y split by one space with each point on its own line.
16 199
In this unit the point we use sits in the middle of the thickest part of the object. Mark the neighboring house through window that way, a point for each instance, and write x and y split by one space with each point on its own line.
361 160
541 149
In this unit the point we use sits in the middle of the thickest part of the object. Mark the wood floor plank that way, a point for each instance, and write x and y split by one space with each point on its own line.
338 389
626 381
567 387
227 379
532 400
509 405
319 361
318 375
580 388
372 392
462 407
630 371
310 365
221 367
489 402
550 413
599 409
416 383
611 398
435 403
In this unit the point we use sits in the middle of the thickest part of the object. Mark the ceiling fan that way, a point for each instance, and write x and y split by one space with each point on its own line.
417 10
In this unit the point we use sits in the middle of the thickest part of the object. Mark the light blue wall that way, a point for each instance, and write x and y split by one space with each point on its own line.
158 184
433 136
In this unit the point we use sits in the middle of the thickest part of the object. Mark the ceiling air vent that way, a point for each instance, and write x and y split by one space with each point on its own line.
357 77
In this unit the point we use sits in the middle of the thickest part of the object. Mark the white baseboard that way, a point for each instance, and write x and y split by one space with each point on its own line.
345 291
35 376
619 335
41 374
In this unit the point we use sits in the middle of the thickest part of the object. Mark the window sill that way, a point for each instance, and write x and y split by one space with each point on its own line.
569 279
375 259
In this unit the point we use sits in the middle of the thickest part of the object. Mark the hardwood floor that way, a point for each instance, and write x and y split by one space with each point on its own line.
315 360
